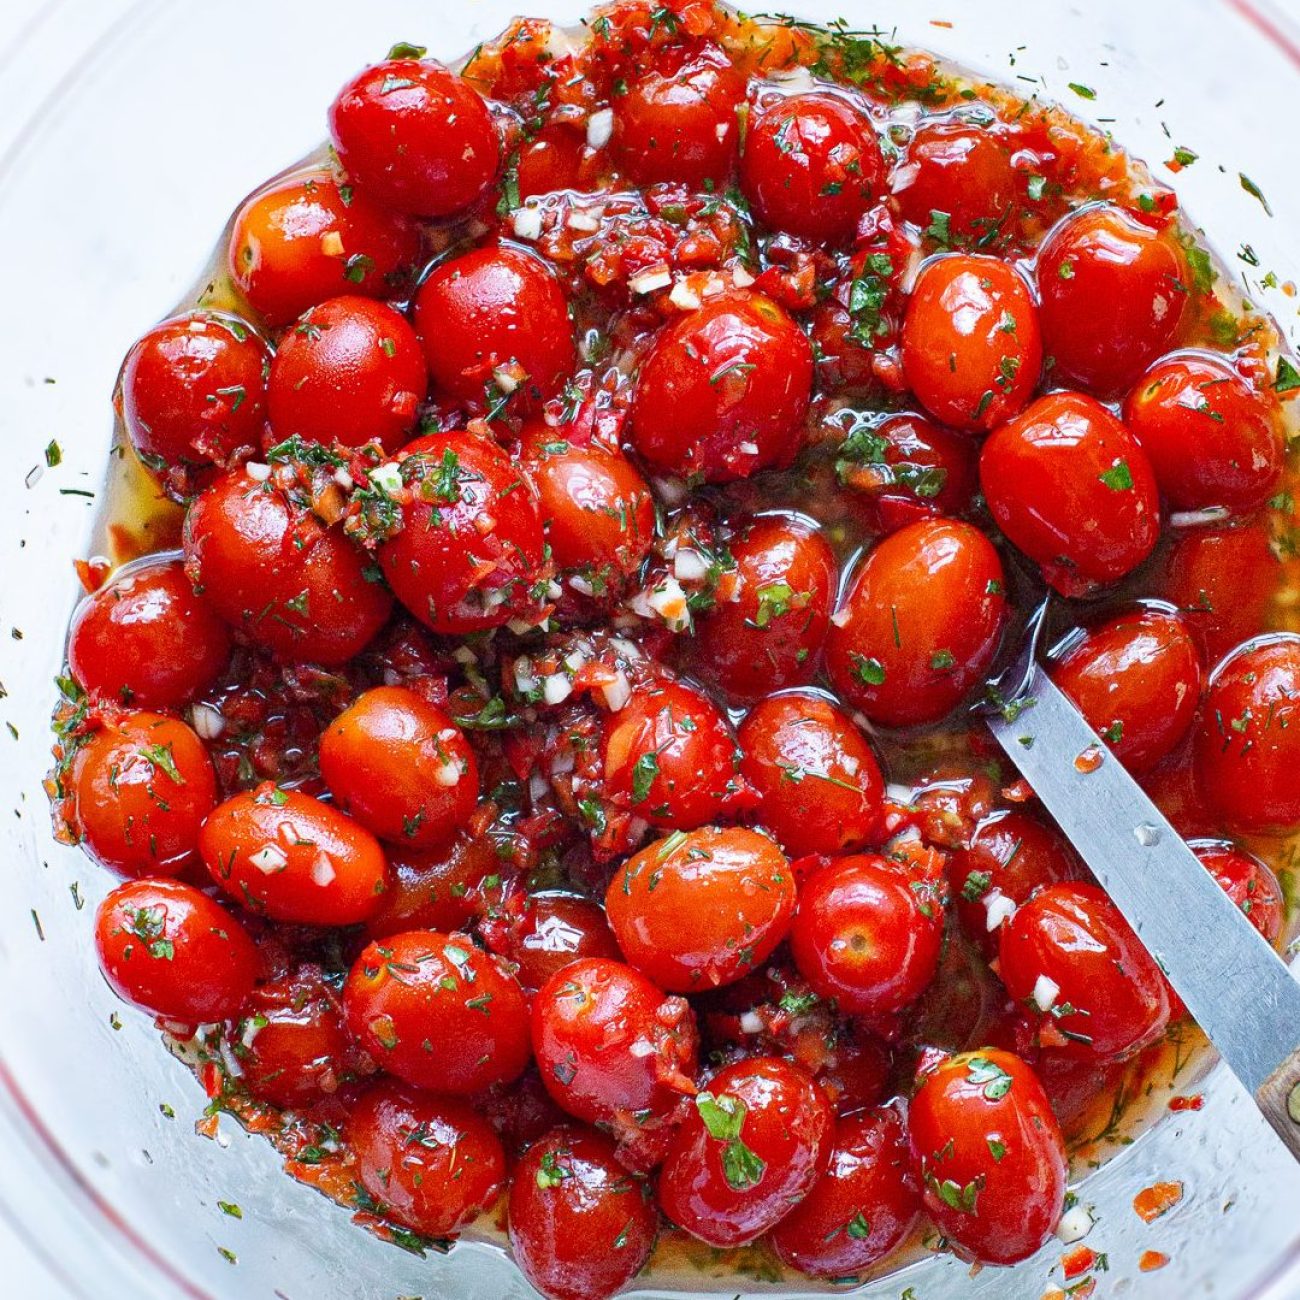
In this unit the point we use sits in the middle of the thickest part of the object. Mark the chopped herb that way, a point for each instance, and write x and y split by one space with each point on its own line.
724 1119
1119 478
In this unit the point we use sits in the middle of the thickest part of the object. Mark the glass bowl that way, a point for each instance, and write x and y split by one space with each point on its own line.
127 132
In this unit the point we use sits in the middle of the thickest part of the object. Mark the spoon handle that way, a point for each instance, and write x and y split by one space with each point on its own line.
1279 1098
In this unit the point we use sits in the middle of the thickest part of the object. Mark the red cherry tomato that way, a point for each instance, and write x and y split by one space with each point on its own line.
1070 957
769 633
1248 882
193 390
551 161
436 890
989 1154
1137 680
141 787
1073 489
703 908
1248 739
171 950
867 934
304 239
1113 293
494 322
401 767
611 1048
469 553
292 858
580 1227
555 931
437 1012
750 1148
724 391
415 137
812 166
818 783
972 351
919 624
1212 437
431 1164
861 1208
146 639
270 568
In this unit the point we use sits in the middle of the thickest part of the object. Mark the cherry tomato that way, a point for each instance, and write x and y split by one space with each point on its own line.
703 908
861 1208
555 931
351 370
551 161
812 166
290 857
193 390
146 639
818 783
1070 957
989 1154
972 350
470 551
1073 489
1113 293
141 787
401 767
167 948
437 1012
919 624
867 934
270 568
769 633
750 1148
1212 437
1136 678
1248 882
580 1227
306 238
610 1046
431 1164
724 391
494 323
415 137
1248 739
436 890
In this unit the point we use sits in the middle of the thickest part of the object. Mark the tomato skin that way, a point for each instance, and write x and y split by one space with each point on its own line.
818 782
677 121
786 1123
700 909
350 371
1136 678
165 947
492 308
551 161
141 787
812 166
972 348
1213 438
868 935
432 1163
580 1227
297 242
437 889
1248 739
770 636
1074 936
724 391
965 170
401 767
919 623
586 1021
556 930
415 137
1112 297
1247 881
273 571
437 1012
292 858
954 1120
146 639
1042 474
868 1184
436 563
193 389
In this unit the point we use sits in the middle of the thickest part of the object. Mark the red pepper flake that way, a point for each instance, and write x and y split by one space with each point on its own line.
207 1127
1151 1202
1194 1102
940 22
1076 1262
1152 1260
1090 760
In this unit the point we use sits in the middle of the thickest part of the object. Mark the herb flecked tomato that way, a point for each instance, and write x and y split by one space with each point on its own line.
1247 881
438 889
555 930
